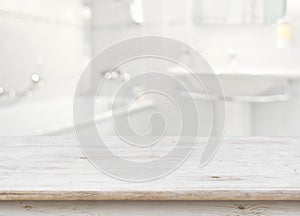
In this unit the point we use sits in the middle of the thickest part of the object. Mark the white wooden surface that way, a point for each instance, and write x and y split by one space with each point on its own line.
54 168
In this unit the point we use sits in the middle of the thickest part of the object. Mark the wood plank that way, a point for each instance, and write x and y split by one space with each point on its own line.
125 208
54 168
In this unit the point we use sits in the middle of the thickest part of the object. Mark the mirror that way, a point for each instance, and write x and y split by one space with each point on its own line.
237 11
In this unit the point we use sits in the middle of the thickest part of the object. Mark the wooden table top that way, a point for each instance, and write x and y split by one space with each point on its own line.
54 168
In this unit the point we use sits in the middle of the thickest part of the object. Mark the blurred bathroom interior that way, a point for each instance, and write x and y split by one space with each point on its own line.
252 45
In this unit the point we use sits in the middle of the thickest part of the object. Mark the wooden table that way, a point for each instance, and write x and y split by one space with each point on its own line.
248 176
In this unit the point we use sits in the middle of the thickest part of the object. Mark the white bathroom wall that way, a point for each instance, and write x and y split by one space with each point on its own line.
50 38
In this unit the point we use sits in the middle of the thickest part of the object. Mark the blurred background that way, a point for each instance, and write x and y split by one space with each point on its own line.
252 45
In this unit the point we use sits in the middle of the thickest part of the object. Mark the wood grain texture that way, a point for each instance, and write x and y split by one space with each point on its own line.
166 208
54 168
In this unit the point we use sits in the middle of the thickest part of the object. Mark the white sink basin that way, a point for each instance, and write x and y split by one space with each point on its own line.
246 82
